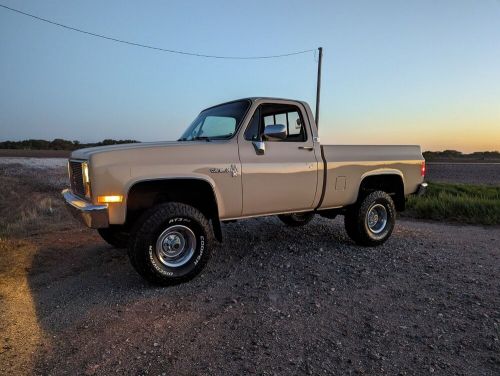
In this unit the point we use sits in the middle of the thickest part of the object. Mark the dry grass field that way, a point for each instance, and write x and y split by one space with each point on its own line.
272 300
20 153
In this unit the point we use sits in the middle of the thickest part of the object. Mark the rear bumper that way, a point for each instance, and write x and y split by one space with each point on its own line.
93 216
421 189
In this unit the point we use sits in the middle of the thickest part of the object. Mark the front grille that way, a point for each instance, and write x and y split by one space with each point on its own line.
76 178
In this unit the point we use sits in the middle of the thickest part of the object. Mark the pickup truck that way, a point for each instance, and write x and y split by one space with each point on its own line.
165 201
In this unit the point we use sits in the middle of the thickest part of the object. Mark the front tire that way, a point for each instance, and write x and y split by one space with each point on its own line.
296 219
171 244
371 221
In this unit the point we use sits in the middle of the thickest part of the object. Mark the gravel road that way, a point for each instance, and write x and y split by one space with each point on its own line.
272 300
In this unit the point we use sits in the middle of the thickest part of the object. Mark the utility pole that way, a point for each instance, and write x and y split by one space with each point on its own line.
318 85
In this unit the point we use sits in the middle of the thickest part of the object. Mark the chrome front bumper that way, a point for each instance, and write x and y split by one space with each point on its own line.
93 216
421 189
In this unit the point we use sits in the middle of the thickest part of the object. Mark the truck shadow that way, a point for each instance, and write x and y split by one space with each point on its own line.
75 278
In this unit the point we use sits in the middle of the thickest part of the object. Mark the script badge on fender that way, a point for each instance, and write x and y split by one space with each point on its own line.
233 170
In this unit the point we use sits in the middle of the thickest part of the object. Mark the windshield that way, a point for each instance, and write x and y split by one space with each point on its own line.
218 122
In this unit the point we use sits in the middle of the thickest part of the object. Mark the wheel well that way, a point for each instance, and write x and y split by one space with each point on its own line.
392 184
195 192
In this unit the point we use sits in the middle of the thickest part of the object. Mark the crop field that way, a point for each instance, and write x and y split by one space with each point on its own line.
272 299
465 173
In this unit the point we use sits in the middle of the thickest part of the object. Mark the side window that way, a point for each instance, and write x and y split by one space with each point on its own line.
280 119
294 123
269 114
268 120
290 117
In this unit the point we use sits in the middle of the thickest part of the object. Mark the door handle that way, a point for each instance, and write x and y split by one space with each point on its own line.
310 148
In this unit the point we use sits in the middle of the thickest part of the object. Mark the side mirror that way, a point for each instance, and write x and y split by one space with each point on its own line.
275 132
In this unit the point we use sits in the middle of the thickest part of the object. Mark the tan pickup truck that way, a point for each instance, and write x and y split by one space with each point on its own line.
252 157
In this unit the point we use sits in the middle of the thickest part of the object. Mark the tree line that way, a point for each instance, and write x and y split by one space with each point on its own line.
58 144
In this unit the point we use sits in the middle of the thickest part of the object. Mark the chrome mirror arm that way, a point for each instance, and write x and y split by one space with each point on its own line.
260 147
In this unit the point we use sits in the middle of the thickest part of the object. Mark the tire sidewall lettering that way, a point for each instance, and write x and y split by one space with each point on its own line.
202 249
178 220
158 268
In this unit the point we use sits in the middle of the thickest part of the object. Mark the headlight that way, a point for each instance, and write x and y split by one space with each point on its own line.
86 179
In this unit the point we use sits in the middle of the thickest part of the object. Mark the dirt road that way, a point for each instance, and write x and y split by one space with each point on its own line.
272 300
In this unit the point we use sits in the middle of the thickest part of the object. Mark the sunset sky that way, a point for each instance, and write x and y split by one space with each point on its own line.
411 72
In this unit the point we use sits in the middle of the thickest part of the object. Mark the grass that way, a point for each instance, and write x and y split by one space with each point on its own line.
464 203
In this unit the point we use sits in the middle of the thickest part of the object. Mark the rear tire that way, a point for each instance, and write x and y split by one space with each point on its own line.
170 244
371 221
296 219
115 236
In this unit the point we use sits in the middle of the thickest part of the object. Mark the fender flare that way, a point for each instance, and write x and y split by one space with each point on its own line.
380 172
215 220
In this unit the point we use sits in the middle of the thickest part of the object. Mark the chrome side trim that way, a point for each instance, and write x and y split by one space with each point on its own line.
93 216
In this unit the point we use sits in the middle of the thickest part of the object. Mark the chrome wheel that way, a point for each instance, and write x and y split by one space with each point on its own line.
376 218
175 246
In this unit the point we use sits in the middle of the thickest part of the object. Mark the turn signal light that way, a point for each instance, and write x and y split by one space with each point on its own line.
109 199
422 169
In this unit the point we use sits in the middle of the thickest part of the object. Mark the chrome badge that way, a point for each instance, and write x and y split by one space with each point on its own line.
233 170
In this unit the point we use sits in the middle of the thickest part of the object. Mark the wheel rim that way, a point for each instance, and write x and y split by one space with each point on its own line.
175 246
376 218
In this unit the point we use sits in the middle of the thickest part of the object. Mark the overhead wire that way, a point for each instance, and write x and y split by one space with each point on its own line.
168 50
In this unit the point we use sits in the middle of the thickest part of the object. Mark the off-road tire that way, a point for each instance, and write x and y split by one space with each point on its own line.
115 236
296 219
143 251
356 223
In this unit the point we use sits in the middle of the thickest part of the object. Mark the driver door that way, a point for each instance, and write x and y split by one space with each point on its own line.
284 178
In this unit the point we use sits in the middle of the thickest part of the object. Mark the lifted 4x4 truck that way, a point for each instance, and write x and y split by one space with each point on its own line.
252 157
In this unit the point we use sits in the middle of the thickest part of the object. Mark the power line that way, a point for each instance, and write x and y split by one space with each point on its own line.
153 47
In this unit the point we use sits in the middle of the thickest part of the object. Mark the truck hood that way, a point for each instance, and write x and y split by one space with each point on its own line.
87 152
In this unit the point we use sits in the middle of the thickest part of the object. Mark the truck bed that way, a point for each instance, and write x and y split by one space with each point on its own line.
347 165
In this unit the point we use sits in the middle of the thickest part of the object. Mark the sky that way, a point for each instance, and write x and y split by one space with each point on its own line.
394 72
